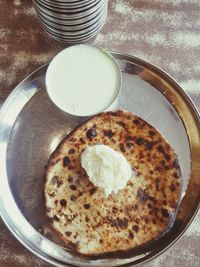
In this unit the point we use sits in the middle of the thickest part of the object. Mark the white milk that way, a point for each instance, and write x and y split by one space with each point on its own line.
83 80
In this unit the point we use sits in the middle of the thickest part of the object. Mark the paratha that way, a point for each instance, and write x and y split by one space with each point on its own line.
89 221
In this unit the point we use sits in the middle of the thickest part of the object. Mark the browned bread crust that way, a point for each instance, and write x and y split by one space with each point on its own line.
141 212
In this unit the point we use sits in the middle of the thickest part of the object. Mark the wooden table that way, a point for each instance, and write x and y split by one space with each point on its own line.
165 33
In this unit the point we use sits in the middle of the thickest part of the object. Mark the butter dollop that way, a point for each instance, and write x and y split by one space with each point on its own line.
106 168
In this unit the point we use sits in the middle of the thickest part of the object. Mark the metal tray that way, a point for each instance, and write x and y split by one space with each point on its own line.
31 127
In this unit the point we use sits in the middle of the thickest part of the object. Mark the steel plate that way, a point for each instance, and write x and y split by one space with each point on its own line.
31 127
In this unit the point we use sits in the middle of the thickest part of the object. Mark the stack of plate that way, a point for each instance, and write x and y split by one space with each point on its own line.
72 21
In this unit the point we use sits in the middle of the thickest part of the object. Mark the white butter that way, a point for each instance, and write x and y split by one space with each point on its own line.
83 80
106 168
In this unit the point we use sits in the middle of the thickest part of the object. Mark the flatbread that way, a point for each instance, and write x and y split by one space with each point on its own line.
89 221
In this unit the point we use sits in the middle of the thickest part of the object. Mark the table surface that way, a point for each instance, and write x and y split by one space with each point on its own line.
163 32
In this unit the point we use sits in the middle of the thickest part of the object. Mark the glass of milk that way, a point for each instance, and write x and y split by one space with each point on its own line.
83 80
